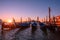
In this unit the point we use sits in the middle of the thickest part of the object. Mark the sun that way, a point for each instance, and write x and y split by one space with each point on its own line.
9 21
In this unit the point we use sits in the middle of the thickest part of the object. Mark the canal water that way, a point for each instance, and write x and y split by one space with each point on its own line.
26 34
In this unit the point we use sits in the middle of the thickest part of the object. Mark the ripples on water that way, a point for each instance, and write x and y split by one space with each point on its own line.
27 35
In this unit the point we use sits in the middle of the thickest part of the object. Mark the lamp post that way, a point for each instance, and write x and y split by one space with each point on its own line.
49 15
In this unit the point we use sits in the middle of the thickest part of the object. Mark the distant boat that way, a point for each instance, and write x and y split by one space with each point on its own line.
24 24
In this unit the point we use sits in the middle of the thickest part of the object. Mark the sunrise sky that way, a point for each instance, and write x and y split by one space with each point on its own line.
28 8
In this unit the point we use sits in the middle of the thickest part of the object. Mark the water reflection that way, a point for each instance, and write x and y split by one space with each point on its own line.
30 34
